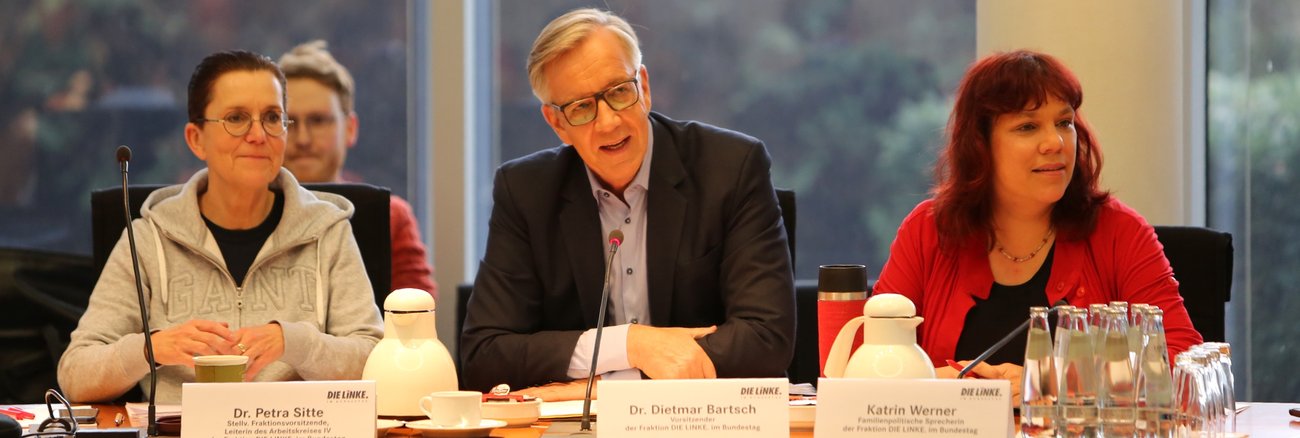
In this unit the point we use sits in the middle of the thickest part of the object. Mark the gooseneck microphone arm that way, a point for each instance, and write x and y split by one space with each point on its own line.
615 239
124 159
1002 342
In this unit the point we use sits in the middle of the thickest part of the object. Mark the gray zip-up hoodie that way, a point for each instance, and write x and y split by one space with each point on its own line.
308 277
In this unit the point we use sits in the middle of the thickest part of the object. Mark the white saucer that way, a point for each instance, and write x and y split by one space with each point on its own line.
382 425
428 429
515 414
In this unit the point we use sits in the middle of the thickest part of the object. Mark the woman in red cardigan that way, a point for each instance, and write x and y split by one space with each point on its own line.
1017 220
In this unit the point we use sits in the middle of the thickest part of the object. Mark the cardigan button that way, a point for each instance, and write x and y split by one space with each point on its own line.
1060 286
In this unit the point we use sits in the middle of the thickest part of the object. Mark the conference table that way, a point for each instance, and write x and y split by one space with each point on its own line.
1262 420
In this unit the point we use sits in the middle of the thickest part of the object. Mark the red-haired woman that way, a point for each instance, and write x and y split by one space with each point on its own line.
1017 220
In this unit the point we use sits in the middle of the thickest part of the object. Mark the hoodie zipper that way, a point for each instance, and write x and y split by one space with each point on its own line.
239 290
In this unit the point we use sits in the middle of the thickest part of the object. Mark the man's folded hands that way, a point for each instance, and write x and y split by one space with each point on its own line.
669 352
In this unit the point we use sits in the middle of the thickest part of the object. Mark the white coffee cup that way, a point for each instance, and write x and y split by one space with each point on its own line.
453 408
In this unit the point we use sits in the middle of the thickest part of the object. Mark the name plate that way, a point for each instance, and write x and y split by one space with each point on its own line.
908 408
694 408
338 408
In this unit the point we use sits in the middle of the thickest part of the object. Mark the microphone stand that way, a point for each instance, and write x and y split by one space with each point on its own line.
1003 342
615 239
124 158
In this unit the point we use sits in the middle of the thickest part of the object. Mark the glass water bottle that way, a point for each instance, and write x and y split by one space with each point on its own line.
1115 395
1038 394
1137 313
1077 396
1096 315
1155 386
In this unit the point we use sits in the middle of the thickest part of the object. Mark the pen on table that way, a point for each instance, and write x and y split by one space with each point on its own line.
117 421
958 367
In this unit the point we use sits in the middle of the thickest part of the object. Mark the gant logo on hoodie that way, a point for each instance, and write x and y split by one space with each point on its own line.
274 289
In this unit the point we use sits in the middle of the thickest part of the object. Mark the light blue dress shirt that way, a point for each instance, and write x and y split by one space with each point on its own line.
629 295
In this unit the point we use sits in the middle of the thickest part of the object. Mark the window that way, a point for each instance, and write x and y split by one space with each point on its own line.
79 79
851 98
1254 169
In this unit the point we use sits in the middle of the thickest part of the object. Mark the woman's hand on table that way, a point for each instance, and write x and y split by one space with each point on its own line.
1007 371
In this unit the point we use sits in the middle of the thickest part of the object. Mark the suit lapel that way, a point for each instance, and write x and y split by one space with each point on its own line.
665 212
580 223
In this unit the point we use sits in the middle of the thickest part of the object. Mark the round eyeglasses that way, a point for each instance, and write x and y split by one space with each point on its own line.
619 97
238 123
317 124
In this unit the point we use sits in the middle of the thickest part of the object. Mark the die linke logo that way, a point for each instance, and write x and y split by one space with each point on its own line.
981 393
347 396
760 391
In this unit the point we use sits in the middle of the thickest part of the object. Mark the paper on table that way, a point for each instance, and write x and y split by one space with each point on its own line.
564 409
39 410
42 413
805 389
139 413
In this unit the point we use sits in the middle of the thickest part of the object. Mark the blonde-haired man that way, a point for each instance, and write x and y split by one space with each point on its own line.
702 284
320 92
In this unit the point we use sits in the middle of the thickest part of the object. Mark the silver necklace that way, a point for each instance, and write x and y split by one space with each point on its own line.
1033 253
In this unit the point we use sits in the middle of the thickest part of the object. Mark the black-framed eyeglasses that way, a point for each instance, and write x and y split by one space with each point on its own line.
317 124
618 97
238 123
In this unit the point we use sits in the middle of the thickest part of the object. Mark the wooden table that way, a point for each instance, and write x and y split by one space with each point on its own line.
1262 420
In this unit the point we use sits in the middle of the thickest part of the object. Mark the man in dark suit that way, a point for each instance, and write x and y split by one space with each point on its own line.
702 285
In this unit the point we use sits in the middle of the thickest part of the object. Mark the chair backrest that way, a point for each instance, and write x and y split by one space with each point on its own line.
805 366
369 225
1202 263
42 296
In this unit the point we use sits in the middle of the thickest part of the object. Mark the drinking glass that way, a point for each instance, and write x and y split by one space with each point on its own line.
1216 383
1197 395
1228 384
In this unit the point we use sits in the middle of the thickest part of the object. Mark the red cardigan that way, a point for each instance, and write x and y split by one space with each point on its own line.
1120 261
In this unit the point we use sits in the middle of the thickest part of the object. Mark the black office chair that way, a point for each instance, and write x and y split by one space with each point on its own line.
1202 263
41 294
369 226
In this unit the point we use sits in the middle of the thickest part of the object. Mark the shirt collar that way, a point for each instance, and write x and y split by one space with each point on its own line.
642 178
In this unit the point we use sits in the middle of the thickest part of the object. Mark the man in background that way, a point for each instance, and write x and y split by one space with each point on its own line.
320 92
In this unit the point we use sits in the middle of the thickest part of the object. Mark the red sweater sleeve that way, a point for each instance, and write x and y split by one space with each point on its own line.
410 266
905 270
1143 274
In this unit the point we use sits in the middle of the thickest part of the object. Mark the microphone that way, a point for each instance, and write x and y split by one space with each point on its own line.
1005 339
615 239
123 160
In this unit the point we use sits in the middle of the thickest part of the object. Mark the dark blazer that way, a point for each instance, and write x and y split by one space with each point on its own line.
716 255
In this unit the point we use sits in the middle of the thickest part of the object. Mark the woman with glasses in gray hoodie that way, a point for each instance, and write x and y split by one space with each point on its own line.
239 260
